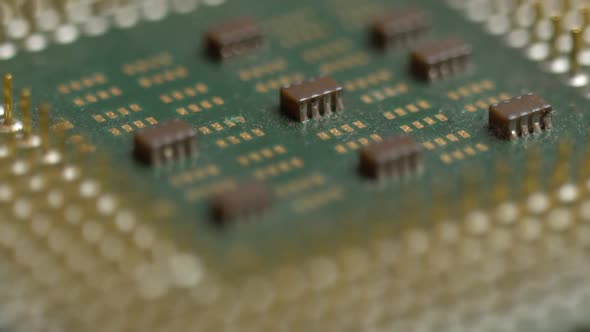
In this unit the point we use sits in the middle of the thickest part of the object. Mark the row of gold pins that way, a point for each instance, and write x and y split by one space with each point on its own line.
575 77
540 13
567 168
21 132
27 15
29 10
557 6
555 62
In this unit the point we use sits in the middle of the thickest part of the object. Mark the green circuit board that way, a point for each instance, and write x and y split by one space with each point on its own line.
487 234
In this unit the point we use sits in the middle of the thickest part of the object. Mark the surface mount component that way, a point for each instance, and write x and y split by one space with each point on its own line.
165 142
312 99
244 201
234 38
393 157
399 27
440 59
519 116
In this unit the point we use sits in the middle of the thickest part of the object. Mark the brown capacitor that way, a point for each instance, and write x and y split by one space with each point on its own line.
245 201
393 157
520 116
312 99
440 59
399 27
235 37
165 142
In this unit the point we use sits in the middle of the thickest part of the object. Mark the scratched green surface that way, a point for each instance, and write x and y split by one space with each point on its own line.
362 202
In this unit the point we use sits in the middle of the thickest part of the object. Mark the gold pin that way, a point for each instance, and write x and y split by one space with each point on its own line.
501 185
585 13
561 167
15 7
62 8
49 155
61 140
440 210
471 184
532 168
97 7
576 78
576 35
25 109
7 91
28 139
539 14
566 6
3 37
31 11
9 125
556 24
515 11
584 166
44 127
496 7
10 148
539 11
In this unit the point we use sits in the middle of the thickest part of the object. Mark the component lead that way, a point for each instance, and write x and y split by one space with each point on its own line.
517 4
576 35
576 78
556 25
48 155
7 92
566 6
28 139
539 15
9 124
585 14
25 109
44 127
